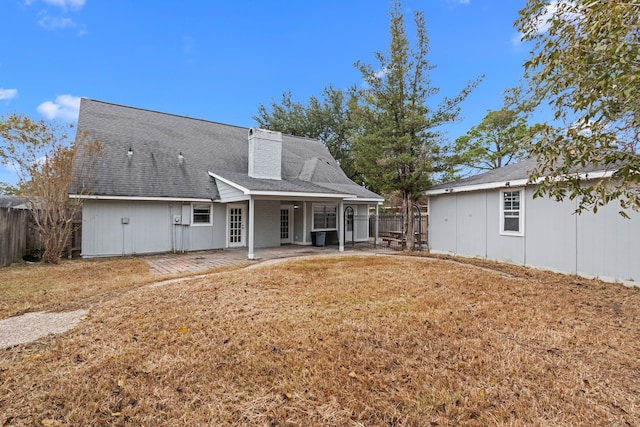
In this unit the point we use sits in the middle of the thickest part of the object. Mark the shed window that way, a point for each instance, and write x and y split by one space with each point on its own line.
511 212
201 214
325 217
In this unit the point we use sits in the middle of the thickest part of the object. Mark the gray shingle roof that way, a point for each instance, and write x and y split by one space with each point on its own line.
155 170
16 202
512 172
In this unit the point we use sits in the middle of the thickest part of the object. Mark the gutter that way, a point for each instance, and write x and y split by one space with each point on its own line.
512 183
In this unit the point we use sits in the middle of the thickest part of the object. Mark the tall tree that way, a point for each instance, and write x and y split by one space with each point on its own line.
399 139
585 66
327 118
44 157
498 140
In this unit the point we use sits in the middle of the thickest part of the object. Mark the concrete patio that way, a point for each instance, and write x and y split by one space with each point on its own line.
192 262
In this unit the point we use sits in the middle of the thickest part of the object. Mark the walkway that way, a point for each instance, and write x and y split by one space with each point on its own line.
193 262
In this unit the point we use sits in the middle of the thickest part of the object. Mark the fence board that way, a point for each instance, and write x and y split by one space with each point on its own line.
13 235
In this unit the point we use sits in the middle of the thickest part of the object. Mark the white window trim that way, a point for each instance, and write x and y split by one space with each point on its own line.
313 222
193 213
521 216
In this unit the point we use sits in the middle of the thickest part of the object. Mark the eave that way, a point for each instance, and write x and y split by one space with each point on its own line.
511 183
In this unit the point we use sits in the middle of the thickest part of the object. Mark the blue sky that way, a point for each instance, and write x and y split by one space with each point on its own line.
218 60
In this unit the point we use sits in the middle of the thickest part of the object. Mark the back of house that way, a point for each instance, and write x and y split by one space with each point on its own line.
165 183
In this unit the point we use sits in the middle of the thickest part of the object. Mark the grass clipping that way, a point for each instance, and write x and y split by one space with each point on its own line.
349 341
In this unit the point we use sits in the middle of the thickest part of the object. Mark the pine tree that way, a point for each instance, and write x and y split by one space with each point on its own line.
399 139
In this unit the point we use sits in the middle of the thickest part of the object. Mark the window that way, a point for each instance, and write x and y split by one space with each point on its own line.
511 212
201 214
325 217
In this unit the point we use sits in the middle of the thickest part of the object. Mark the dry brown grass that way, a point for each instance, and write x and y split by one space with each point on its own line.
371 341
36 287
77 283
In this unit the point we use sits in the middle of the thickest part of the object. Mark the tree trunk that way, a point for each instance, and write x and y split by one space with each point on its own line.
407 214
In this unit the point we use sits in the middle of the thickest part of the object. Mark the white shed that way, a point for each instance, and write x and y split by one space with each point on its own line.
494 216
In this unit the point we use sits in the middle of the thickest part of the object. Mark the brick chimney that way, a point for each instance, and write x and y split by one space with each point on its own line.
265 154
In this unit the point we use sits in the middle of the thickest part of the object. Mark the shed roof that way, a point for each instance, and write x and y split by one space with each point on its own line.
510 175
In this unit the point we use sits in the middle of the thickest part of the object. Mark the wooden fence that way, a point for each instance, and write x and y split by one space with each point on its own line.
390 227
19 236
14 226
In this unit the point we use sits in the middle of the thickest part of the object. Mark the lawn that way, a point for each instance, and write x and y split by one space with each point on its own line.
344 341
37 287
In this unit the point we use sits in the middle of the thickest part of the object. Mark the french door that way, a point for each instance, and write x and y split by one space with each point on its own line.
236 215
286 224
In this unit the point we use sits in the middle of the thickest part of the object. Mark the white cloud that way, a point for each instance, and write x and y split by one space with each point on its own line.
65 107
381 73
516 39
552 10
11 166
6 94
64 4
51 23
543 23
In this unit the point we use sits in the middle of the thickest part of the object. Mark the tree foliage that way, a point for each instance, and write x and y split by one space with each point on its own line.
585 65
44 160
498 140
327 118
399 138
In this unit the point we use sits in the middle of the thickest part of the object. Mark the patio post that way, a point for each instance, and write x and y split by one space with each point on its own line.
375 232
341 226
251 228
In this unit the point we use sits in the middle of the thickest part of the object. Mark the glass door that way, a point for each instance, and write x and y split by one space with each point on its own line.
236 215
286 224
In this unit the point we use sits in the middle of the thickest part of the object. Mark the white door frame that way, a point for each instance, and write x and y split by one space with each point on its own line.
288 208
350 235
242 240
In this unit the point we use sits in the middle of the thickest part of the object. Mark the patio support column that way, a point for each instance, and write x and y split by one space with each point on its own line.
375 236
304 223
341 226
251 227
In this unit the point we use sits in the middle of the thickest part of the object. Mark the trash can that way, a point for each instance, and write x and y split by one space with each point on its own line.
320 237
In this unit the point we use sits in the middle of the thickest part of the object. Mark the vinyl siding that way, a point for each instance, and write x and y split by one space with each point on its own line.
150 228
603 245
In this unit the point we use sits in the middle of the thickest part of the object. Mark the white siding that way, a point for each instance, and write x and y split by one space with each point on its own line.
298 224
609 244
442 223
499 246
148 227
550 229
360 222
228 193
267 223
604 245
470 222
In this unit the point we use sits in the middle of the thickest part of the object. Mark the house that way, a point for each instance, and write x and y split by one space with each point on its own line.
494 216
171 183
